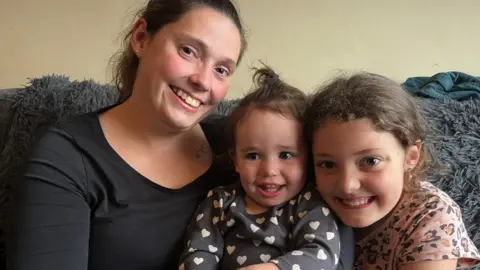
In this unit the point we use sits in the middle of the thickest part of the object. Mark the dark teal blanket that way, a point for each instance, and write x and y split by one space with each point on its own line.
447 85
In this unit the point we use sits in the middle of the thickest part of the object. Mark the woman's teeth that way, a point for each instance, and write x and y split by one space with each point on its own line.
185 97
357 201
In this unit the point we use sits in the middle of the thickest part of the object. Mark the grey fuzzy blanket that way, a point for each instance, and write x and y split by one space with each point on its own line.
454 136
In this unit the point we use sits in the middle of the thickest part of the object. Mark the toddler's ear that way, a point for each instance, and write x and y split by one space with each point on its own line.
231 154
412 155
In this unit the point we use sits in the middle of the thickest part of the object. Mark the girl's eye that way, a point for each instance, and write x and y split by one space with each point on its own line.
370 161
326 164
252 156
222 72
285 155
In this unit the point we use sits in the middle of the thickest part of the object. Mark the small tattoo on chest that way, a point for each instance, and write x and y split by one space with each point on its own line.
204 149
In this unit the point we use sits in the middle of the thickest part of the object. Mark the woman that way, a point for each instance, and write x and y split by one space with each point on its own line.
115 189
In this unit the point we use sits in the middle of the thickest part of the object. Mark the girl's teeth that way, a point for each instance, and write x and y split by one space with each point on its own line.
356 202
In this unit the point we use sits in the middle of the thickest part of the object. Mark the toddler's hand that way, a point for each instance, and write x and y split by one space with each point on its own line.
262 266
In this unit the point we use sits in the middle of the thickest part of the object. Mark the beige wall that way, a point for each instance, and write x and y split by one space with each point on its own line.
307 41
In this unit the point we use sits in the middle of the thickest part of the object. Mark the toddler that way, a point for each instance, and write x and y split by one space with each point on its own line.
271 218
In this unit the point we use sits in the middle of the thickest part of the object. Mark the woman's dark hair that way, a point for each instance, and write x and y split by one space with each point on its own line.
157 14
381 100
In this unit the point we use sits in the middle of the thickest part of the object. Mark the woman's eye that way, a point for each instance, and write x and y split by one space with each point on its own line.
370 161
188 51
222 72
326 164
285 155
252 156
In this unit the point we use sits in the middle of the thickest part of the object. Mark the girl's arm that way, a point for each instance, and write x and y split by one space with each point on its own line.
431 265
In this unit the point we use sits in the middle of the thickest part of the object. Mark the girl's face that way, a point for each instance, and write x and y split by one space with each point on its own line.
360 171
186 67
270 156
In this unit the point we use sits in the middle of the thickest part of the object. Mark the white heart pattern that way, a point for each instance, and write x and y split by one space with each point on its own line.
270 239
198 261
307 196
205 233
241 259
230 249
321 255
309 237
297 253
210 193
218 204
191 250
200 216
217 259
302 214
336 259
234 204
231 222
292 202
265 257
296 267
257 242
212 248
314 224
254 228
274 220
330 235
325 211
260 220
280 212
215 220
291 219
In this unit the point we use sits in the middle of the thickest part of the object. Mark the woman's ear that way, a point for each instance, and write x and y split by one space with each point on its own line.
139 37
412 155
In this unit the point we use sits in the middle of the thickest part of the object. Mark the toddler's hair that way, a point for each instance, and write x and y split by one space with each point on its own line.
364 95
270 94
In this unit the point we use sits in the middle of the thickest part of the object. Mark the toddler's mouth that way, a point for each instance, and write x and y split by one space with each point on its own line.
270 190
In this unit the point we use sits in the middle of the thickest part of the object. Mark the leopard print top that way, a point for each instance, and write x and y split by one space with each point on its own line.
425 225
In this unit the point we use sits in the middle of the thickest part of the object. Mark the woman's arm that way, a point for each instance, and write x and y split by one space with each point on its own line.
50 220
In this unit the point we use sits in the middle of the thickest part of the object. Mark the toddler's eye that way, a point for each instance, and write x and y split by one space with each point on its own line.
252 156
285 155
370 161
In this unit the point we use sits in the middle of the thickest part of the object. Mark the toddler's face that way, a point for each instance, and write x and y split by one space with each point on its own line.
270 156
360 171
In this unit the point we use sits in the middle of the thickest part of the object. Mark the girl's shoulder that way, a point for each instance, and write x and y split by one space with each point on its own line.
425 225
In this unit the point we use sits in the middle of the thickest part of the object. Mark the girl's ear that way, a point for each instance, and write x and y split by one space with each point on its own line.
412 155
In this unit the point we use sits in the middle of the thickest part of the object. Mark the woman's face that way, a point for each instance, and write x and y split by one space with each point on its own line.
185 68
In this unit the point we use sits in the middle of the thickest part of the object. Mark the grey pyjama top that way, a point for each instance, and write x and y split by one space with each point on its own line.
299 234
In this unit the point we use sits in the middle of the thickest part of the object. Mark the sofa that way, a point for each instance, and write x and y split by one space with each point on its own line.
453 138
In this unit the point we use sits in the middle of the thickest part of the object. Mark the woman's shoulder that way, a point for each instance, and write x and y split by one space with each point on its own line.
214 128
